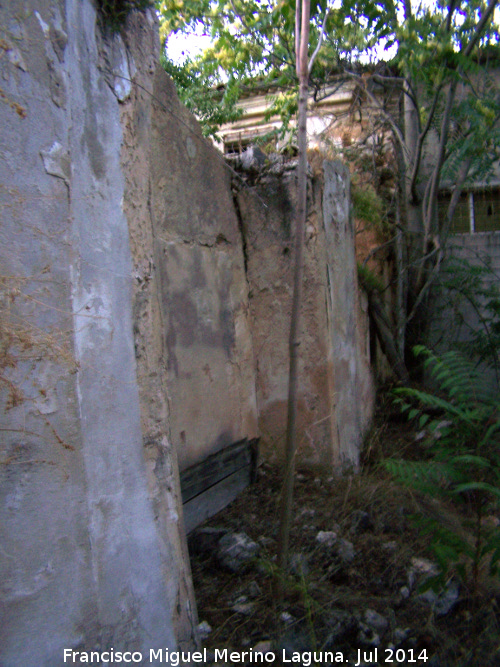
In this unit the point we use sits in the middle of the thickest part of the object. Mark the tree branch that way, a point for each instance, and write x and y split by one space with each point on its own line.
298 9
420 143
428 204
394 81
396 130
480 27
374 251
431 192
454 4
320 40
464 171
423 291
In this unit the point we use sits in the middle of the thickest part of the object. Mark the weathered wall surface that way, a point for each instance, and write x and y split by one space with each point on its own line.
91 543
335 392
267 214
209 353
136 56
347 330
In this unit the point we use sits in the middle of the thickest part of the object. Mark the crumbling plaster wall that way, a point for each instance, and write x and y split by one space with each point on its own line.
335 384
92 546
348 329
199 260
190 307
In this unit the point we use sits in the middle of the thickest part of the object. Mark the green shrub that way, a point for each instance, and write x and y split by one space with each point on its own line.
462 422
368 279
367 205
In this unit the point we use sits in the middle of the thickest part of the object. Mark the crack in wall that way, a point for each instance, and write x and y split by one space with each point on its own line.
241 230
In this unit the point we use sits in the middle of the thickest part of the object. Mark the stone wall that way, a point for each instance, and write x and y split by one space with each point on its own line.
335 385
477 248
209 352
92 545
192 339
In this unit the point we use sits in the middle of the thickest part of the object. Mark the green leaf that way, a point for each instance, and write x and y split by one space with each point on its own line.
423 420
472 459
477 486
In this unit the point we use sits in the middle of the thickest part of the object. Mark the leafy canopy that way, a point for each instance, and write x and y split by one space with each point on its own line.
253 46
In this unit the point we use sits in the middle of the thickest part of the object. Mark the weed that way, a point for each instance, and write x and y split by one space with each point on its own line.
368 280
366 203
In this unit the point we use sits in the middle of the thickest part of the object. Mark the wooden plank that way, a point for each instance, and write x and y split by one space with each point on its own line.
216 467
214 499
212 484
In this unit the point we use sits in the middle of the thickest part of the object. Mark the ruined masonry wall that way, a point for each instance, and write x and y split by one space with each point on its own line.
92 546
336 394
453 319
199 260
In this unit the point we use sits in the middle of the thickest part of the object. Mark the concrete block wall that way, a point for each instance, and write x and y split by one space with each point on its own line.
476 247
453 317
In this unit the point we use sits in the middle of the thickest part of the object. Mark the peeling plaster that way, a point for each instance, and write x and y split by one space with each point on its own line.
119 61
56 162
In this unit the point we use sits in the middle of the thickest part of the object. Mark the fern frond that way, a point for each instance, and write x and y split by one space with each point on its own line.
423 476
478 486
471 459
465 457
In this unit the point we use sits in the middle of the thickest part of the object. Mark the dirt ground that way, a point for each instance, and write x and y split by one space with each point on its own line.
326 598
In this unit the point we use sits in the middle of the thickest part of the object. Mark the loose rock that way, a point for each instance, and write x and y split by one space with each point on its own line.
204 629
244 608
326 538
236 552
420 570
442 602
286 617
375 620
345 550
263 647
401 635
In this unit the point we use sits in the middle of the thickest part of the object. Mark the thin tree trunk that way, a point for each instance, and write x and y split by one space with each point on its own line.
386 338
401 285
302 42
411 133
